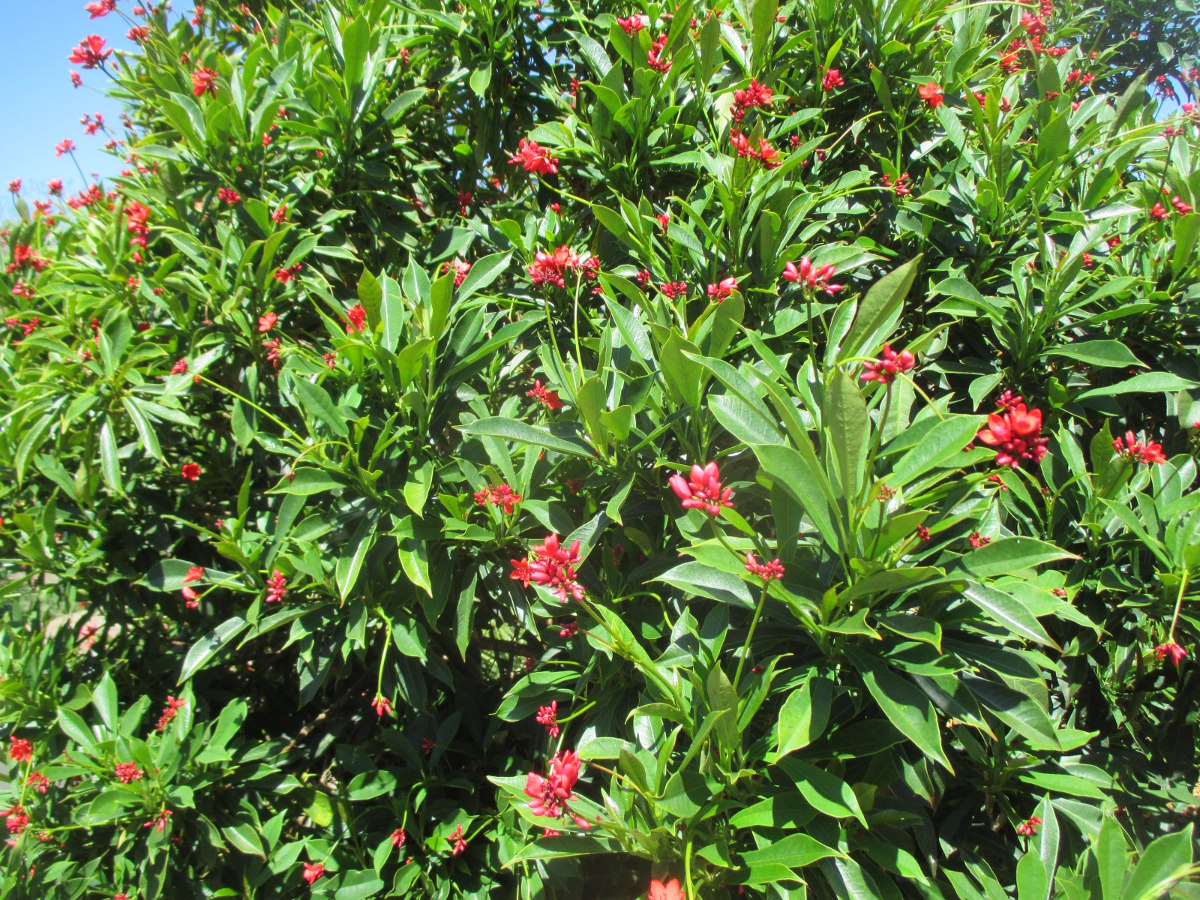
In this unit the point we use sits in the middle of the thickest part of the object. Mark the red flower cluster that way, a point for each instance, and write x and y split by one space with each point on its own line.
461 269
654 55
1028 828
24 255
382 706
399 837
276 587
547 716
551 795
1131 448
190 471
764 570
632 25
547 398
977 540
765 153
888 366
722 289
100 8
90 53
1172 650
312 871
810 276
550 268
755 95
289 273
898 185
20 749
229 195
1016 434
128 772
666 890
458 840
38 782
15 818
932 94
673 289
204 82
832 79
702 490
357 315
499 495
191 598
552 567
64 146
138 216
168 713
533 158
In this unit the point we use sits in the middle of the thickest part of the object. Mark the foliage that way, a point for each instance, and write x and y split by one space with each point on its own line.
534 450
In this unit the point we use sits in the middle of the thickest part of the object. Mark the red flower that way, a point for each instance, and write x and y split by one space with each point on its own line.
38 782
101 8
549 268
499 495
722 289
702 490
832 79
1158 212
14 186
399 837
127 772
266 322
810 276
312 871
898 185
181 366
534 158
382 706
280 215
20 749
54 186
458 841
754 95
547 397
552 793
548 717
1028 828
888 366
64 146
90 53
765 571
669 890
159 822
977 540
229 195
552 567
286 274
190 472
1172 650
358 318
1129 447
923 533
1034 25
632 25
204 82
461 269
1016 434
654 55
276 587
15 818
931 93
169 712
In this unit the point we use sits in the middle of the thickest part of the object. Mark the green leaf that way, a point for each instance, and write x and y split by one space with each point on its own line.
559 847
245 838
480 79
1145 383
348 567
1021 713
397 107
315 400
698 579
359 884
515 430
392 313
202 652
1166 861
483 274
1111 853
795 851
879 311
804 715
1007 611
1111 354
75 728
792 473
723 698
354 52
110 465
849 429
823 790
104 699
943 443
905 705
1187 232
1032 882
1010 555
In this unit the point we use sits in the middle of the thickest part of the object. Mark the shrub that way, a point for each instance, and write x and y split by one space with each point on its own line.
574 451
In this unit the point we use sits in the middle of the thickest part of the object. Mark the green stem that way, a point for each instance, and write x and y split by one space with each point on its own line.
1183 583
762 601
687 869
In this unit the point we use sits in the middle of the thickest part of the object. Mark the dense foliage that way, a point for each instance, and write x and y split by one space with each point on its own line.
488 450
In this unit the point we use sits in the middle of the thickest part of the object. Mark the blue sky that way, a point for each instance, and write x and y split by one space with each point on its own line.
41 107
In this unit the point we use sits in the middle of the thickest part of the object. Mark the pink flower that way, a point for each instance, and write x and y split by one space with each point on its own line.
888 366
552 567
812 277
1131 448
101 8
1016 434
266 322
931 93
654 55
632 25
38 782
229 195
169 712
399 837
1028 828
190 472
552 794
90 53
534 158
312 871
722 289
458 841
832 79
702 490
276 587
548 717
20 749
65 146
382 706
204 82
14 186
54 186
669 890
1172 650
765 571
